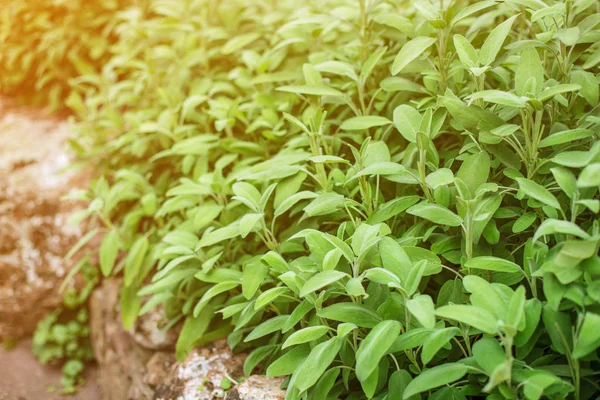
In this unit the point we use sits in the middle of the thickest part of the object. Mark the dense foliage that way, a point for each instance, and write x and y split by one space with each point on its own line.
45 43
378 199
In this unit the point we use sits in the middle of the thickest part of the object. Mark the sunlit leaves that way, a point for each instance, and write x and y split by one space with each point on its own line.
410 51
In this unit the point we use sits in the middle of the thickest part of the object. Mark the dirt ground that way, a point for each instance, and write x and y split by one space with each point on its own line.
23 378
34 237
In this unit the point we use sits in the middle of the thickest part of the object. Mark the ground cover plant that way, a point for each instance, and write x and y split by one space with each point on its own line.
45 43
376 199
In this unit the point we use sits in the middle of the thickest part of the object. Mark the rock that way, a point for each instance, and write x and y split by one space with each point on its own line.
131 368
128 370
202 374
149 331
34 230
257 387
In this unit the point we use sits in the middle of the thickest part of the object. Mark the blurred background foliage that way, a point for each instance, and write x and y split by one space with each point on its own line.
45 43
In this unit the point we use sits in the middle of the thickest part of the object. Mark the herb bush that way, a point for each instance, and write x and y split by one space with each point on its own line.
45 43
377 199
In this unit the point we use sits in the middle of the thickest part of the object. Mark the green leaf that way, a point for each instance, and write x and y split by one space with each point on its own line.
82 242
533 312
325 384
529 76
435 377
476 317
472 9
287 363
558 89
413 279
589 86
248 223
192 330
338 68
269 326
567 136
108 252
381 168
374 347
391 209
524 222
490 263
568 36
590 176
435 213
554 226
291 201
134 260
320 280
499 97
558 326
312 90
410 51
215 290
206 214
370 63
394 258
422 308
474 170
493 43
305 335
566 180
411 339
253 275
364 122
331 259
256 356
239 42
489 354
589 336
268 296
299 312
441 177
317 362
328 160
408 122
247 194
466 52
515 317
353 313
130 305
435 341
538 192
326 203
383 277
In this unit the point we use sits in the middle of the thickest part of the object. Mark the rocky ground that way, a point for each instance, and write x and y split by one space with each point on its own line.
23 378
34 237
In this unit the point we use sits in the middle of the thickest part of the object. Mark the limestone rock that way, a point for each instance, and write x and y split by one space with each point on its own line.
201 375
34 230
257 387
127 369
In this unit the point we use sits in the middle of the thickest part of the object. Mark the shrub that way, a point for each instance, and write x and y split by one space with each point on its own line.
377 199
45 43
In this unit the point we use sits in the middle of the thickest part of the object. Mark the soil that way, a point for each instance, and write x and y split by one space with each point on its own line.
22 377
35 235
